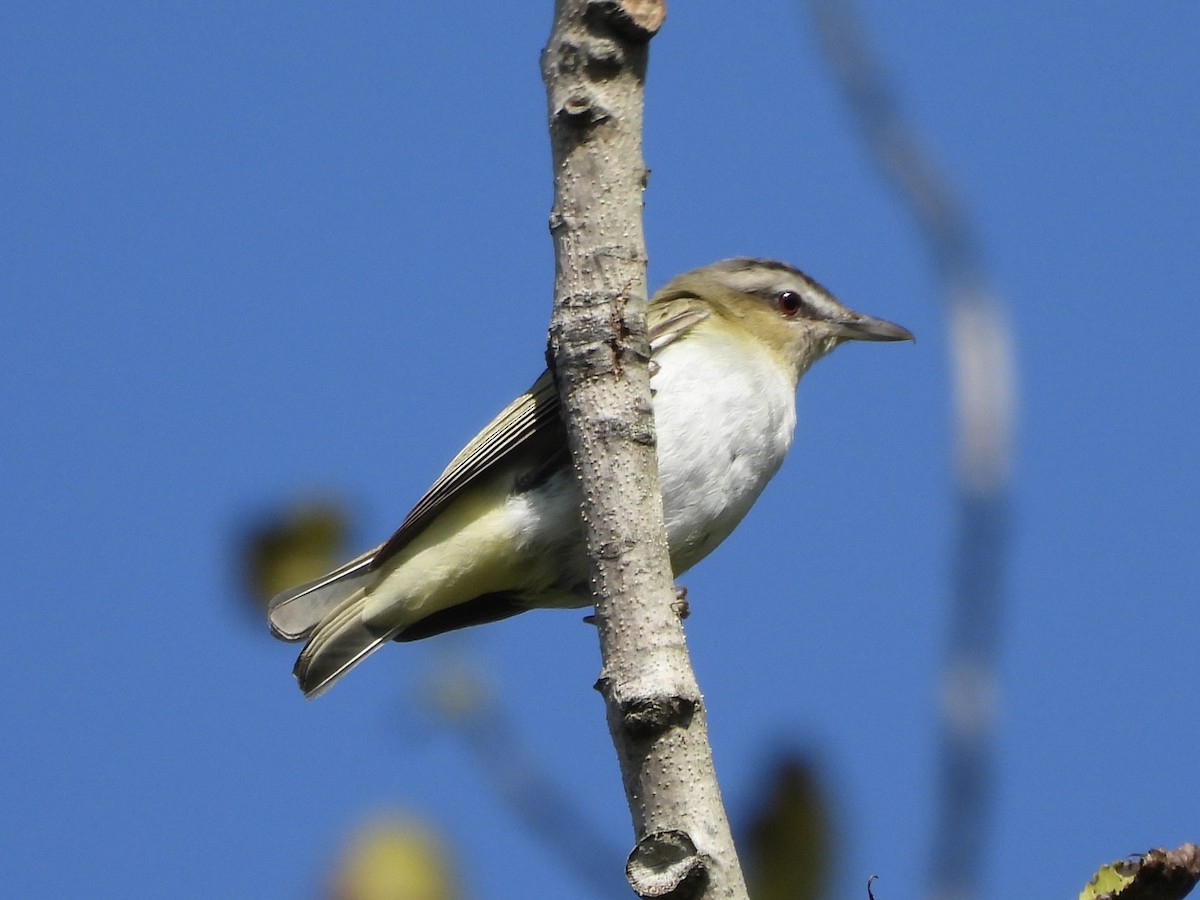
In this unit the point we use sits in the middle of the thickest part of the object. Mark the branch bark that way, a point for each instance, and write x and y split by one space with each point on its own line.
594 68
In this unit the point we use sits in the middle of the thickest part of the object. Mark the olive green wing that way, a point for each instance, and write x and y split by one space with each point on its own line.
531 418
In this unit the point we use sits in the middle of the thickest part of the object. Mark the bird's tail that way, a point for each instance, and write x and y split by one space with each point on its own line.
338 644
295 613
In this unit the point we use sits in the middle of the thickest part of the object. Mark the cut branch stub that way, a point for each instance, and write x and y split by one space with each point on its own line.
665 865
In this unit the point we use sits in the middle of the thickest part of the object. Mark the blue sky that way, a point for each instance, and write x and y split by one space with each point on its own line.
251 253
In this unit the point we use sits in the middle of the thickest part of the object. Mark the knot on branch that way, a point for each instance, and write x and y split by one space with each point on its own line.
634 20
647 717
666 865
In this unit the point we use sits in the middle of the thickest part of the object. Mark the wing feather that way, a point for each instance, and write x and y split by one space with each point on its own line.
669 322
295 612
533 414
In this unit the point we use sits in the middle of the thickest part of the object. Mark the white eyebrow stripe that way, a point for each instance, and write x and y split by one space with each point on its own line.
823 304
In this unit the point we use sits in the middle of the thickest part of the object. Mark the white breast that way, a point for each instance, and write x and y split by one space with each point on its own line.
725 413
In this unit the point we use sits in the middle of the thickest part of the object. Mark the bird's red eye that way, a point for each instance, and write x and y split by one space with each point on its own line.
789 302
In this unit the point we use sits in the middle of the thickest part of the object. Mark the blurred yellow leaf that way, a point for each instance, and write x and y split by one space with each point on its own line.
399 860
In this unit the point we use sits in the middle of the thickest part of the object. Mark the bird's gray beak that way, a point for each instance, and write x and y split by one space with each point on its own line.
858 327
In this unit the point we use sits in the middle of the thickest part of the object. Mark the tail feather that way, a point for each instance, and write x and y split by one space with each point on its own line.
296 612
338 644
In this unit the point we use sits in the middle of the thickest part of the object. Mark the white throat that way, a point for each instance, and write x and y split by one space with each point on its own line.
725 412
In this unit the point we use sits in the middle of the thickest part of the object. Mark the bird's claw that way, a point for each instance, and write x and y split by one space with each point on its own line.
680 603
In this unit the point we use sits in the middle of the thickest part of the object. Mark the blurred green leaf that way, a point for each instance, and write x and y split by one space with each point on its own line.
787 848
291 547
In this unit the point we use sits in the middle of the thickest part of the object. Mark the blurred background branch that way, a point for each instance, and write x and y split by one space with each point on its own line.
980 345
457 694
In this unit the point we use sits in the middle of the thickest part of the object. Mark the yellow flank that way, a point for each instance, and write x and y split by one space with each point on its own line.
467 550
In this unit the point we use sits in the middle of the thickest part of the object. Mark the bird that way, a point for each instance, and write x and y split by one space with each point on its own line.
499 532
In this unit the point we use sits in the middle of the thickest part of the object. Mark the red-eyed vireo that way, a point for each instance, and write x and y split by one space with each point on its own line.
499 531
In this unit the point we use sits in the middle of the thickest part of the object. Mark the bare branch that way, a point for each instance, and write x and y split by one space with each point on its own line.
594 67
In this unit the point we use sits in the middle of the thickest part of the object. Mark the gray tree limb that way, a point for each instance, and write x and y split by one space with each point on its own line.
594 67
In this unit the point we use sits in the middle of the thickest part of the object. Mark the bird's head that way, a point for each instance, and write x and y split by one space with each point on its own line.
780 306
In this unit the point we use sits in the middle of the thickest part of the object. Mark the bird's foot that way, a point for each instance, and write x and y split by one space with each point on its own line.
680 603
